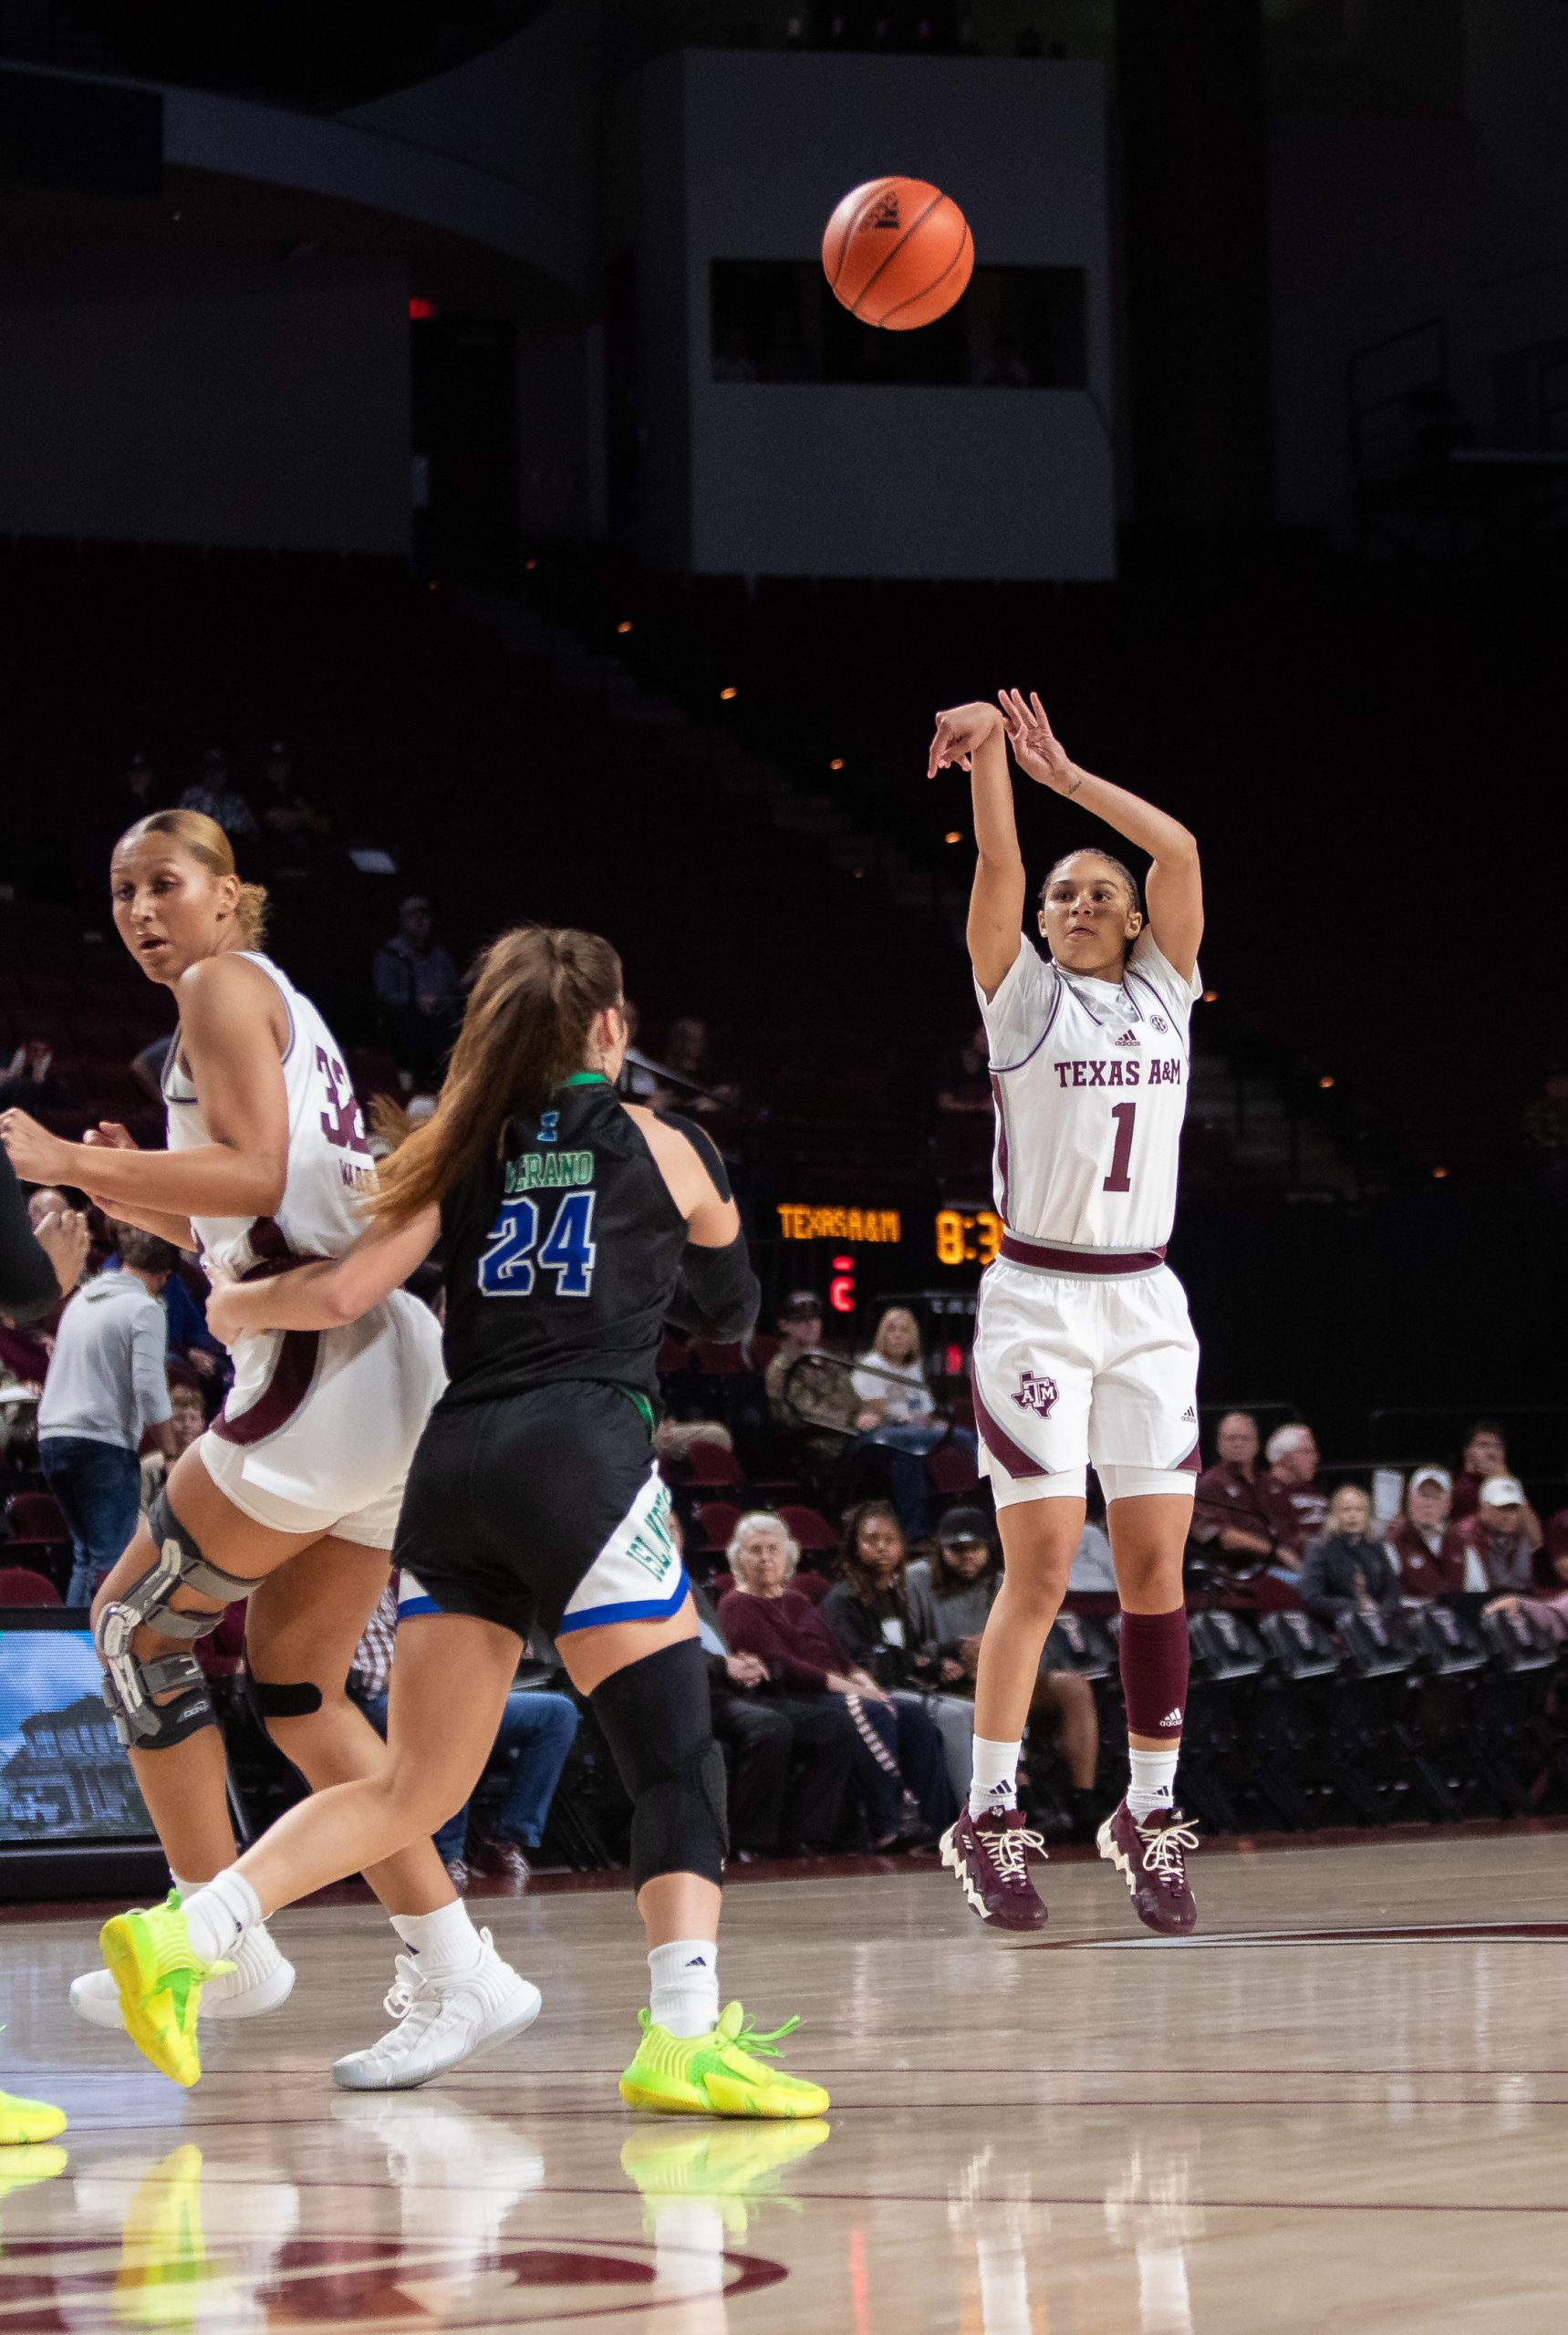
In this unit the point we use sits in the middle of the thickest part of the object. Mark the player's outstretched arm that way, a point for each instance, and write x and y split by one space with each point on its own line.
1174 888
325 1295
973 736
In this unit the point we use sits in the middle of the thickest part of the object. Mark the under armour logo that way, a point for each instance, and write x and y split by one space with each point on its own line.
1127 1038
1036 1393
886 214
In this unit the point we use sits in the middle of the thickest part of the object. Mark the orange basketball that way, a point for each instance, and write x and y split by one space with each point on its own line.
897 253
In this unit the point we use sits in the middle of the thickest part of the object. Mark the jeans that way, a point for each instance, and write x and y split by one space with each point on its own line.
912 1742
906 1445
536 1730
98 1488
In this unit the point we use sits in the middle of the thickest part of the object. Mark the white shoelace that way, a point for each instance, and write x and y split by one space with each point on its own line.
1008 1851
416 1998
1165 1847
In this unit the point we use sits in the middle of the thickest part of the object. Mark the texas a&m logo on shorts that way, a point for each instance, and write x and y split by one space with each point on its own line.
1036 1393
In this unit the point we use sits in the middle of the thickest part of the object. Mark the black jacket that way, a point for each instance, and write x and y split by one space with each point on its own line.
1329 1584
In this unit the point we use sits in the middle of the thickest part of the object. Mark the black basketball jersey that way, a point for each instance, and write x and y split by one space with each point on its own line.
562 1254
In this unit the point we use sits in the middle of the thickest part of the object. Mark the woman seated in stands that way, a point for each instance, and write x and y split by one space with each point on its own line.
868 1611
889 1380
899 1752
1551 1609
1349 1570
948 1597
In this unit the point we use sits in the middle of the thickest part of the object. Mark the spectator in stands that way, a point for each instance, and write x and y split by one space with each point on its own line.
189 1337
537 1730
639 1080
213 790
1433 1560
1556 1541
818 1401
28 1083
789 1755
417 996
288 811
108 1386
1500 1535
188 1419
967 1087
42 1250
1247 1517
899 1752
890 1382
1349 1570
1551 1610
949 1597
1486 1455
1295 1495
867 1610
686 1053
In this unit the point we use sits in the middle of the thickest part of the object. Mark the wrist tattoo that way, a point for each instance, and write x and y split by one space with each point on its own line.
1072 790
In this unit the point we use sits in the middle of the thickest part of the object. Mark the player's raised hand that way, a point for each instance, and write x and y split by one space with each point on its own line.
1035 746
63 1240
958 735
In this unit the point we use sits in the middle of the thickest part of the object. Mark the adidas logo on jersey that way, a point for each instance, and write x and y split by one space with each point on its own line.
886 214
1127 1038
1191 1414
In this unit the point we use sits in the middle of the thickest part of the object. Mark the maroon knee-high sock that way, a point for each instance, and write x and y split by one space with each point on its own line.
1154 1662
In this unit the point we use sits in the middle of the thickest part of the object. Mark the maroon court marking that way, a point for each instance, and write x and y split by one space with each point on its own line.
349 2284
1351 1934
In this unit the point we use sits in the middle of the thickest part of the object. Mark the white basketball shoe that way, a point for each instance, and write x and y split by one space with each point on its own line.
262 1979
442 2018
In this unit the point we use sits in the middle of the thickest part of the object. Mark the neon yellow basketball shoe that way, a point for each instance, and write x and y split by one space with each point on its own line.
160 1976
165 2274
727 2166
24 2122
717 2074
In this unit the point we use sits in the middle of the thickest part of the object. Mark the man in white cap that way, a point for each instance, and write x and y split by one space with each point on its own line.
1499 1536
1433 1560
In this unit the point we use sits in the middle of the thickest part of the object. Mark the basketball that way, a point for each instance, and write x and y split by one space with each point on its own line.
897 253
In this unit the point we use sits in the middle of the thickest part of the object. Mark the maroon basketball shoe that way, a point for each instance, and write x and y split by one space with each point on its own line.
1151 1858
990 1855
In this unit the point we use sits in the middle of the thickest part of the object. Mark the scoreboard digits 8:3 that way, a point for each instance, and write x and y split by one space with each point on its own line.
968 1236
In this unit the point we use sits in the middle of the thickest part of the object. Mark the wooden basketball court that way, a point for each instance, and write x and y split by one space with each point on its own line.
1342 2106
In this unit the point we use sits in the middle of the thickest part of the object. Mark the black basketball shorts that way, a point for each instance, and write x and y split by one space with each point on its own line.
545 1507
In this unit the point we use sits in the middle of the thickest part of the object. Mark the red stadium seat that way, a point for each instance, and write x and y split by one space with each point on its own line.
716 1361
809 1527
673 1354
35 1518
710 1463
19 1585
716 1520
949 1469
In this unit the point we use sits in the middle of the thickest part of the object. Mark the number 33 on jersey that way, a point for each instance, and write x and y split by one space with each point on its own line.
1090 1084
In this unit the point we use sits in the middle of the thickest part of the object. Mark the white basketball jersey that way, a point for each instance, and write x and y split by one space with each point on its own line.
1090 1082
328 1158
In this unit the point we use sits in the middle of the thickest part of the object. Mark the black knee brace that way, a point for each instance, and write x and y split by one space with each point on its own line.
130 1682
656 1719
268 1699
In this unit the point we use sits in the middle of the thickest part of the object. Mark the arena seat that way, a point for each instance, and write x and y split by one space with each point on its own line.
950 1469
710 1463
716 1520
20 1585
809 1527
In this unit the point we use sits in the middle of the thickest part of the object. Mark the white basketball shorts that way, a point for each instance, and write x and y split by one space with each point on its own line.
325 1446
1070 1368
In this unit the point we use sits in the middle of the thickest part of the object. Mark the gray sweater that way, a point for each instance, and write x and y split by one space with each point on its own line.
940 1612
107 1379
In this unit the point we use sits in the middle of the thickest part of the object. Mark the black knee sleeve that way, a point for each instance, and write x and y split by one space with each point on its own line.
656 1719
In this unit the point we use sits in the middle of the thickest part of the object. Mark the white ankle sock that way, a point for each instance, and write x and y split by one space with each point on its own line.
219 1913
683 1985
1153 1781
994 1783
183 1889
444 1940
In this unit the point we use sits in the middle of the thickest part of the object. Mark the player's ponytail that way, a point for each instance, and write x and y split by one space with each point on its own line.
535 996
210 847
